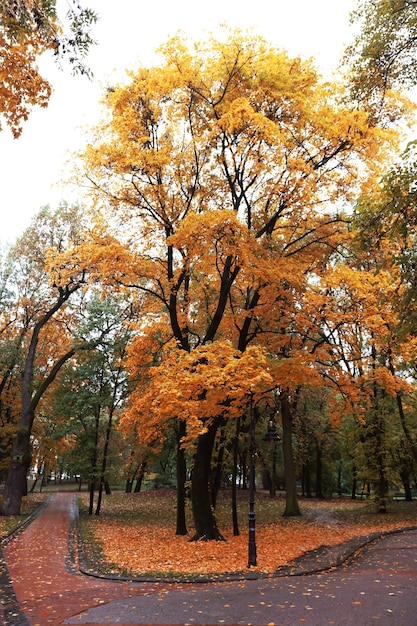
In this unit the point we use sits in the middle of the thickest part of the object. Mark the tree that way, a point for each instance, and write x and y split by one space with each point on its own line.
43 343
28 28
368 350
385 222
221 163
93 388
383 56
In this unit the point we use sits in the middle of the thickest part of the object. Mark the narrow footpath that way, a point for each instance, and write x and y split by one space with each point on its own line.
46 582
41 585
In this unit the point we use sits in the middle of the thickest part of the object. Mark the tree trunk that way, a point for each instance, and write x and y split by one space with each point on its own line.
16 482
204 519
319 472
354 482
140 476
292 508
94 461
405 479
181 480
217 472
103 481
91 489
306 477
339 479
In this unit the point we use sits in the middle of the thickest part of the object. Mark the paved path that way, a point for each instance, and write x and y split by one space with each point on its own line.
377 588
46 589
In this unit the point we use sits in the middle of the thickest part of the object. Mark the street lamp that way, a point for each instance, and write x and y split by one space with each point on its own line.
252 519
270 435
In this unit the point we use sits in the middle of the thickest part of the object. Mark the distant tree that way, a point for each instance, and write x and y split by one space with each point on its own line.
92 390
42 342
383 56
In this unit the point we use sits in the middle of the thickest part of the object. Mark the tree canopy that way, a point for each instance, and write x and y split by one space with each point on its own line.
383 56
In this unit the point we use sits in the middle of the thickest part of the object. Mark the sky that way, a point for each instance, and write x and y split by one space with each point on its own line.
33 167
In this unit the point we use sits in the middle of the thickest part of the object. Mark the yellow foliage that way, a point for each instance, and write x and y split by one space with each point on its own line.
218 177
213 380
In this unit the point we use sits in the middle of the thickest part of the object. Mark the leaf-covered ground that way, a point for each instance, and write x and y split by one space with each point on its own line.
29 505
135 533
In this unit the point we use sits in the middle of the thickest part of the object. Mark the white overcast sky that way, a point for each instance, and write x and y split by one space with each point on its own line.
128 34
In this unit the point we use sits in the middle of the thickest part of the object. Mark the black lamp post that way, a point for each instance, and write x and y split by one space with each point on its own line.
271 435
252 519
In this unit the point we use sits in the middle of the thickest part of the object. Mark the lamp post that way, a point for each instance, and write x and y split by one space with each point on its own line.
252 518
271 435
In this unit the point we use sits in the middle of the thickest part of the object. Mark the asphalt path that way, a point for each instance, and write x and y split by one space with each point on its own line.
378 586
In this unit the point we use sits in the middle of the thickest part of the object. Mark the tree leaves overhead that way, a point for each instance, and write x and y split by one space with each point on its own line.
28 28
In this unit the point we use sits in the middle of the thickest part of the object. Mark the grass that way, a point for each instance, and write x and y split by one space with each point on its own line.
135 533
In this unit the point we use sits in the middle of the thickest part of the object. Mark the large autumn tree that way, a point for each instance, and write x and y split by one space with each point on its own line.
29 28
221 173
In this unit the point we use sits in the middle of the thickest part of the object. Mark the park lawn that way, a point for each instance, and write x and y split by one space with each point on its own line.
135 533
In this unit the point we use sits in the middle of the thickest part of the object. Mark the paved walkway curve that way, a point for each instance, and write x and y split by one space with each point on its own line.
377 588
46 591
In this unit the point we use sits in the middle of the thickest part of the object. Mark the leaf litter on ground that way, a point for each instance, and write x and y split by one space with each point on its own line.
135 533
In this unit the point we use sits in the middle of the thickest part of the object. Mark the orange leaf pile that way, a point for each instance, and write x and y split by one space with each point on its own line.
134 542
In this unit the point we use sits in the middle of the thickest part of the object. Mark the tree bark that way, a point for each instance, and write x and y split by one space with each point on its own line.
405 479
354 482
103 481
204 518
16 482
292 508
319 471
140 476
217 472
94 461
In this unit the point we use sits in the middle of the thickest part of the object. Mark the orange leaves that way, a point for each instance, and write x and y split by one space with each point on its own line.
212 380
99 257
21 86
214 231
137 534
